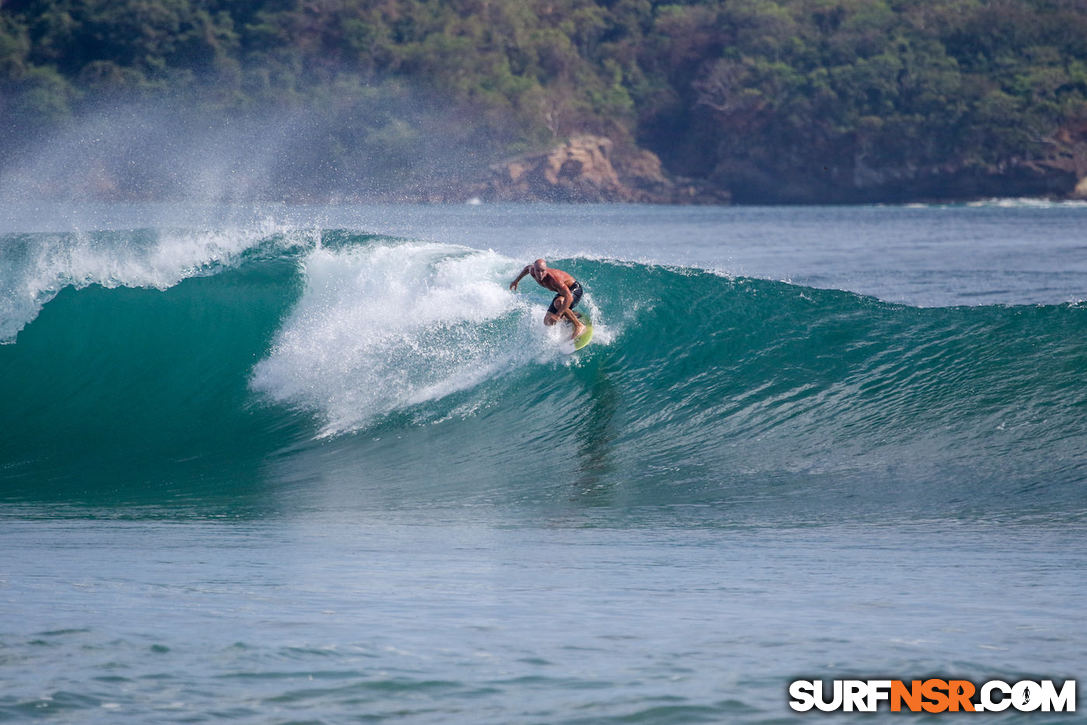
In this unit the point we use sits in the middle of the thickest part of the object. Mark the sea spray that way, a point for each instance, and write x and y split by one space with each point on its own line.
34 267
389 327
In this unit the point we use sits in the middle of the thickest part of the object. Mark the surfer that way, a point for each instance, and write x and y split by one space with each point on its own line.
568 293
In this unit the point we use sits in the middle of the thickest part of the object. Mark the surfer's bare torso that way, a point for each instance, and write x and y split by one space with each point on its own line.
553 279
567 293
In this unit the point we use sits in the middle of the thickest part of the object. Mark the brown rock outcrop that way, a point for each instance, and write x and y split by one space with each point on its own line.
588 168
1080 192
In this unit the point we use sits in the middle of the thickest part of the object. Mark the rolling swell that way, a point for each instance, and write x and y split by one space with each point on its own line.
405 373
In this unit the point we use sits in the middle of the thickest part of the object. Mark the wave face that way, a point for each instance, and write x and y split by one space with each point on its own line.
225 367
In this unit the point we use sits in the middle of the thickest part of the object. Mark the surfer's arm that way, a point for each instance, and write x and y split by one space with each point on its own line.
513 284
567 297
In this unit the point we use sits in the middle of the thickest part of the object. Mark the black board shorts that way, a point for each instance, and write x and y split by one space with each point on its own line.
575 290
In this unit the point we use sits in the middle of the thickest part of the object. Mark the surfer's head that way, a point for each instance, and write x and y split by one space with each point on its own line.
539 268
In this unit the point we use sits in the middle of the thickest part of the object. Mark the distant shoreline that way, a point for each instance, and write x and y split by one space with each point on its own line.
335 200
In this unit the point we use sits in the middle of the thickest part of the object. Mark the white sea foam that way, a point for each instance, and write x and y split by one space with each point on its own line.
1028 203
387 327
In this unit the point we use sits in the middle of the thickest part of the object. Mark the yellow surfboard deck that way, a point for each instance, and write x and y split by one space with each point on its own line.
583 339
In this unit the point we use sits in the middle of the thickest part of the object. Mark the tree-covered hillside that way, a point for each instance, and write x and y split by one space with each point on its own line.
772 100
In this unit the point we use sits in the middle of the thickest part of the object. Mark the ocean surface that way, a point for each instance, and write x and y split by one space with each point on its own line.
273 464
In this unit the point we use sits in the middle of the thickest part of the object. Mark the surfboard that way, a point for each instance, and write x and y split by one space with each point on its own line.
583 339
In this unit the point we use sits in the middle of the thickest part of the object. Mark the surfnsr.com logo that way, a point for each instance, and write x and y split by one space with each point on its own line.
932 695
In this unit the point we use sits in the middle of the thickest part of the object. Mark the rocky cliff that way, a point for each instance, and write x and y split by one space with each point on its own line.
592 168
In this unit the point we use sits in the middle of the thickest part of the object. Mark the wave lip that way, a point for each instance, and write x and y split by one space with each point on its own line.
35 267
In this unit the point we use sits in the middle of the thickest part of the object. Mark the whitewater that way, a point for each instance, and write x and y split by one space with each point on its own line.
278 463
